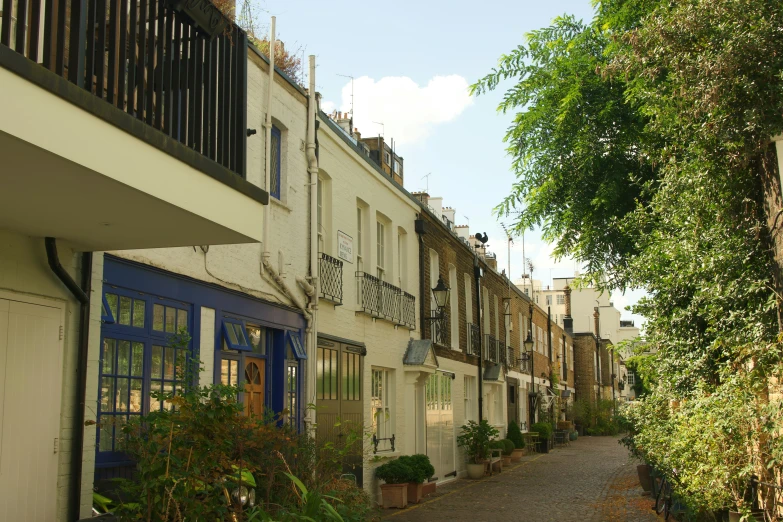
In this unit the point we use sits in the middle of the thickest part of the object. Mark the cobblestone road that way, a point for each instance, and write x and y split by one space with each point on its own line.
592 480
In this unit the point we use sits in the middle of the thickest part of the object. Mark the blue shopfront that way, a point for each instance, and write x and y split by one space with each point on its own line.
251 343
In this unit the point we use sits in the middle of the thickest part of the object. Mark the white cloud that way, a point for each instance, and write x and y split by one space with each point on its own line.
408 111
328 107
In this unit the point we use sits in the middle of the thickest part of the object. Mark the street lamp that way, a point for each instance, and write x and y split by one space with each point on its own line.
441 295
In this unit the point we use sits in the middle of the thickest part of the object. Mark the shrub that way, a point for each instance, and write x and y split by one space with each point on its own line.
498 444
515 435
475 439
508 447
421 465
544 430
397 471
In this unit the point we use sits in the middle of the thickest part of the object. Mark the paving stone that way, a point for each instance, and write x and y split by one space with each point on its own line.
592 480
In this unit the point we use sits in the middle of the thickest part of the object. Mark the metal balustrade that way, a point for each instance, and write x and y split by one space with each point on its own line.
147 58
439 328
385 301
492 349
474 340
330 273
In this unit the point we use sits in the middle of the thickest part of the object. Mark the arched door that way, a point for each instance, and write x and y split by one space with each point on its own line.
254 386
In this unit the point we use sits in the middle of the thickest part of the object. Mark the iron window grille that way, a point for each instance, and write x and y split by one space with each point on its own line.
439 327
385 301
331 278
492 349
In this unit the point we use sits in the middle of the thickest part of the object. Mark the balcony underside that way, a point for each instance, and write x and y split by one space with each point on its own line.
70 174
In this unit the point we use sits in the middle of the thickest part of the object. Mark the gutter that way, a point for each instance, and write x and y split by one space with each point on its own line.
82 294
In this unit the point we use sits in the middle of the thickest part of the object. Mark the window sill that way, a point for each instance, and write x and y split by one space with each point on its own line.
277 203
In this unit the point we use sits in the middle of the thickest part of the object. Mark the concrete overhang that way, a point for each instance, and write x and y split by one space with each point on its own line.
70 174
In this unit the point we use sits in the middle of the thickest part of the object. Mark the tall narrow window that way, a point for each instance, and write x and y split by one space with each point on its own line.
291 387
359 238
468 299
496 324
274 162
320 204
381 404
454 304
402 258
381 254
470 397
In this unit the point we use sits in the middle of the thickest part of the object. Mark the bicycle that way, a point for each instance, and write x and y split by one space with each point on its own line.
663 498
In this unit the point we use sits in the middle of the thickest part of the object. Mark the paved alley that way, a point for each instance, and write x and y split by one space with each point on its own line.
592 480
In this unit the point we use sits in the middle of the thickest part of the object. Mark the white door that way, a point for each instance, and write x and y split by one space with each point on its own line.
30 392
440 425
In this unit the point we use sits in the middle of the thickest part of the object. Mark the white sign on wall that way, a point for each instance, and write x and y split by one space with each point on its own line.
344 246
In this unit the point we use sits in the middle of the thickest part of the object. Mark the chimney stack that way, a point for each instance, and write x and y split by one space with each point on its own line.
568 321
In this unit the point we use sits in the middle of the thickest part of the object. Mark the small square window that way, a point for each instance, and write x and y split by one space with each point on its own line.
234 335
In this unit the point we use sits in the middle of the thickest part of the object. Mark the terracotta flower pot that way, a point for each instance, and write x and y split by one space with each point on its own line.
394 495
415 492
645 480
476 471
506 460
429 488
517 455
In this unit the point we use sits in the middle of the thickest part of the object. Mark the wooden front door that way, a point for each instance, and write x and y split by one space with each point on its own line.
254 386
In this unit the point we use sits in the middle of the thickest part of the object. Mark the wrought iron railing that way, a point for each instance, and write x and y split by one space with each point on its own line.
474 340
492 349
330 271
439 327
148 59
510 359
384 300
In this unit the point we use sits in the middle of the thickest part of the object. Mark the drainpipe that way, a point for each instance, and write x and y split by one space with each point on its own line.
532 355
82 294
479 313
268 132
312 168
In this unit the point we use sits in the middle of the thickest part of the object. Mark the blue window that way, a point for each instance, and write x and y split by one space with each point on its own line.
137 360
274 174
295 353
235 334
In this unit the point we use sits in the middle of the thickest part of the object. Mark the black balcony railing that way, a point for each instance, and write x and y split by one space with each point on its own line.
146 59
510 359
492 349
439 327
384 300
330 271
474 340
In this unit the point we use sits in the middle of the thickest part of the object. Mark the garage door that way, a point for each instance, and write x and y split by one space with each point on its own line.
30 392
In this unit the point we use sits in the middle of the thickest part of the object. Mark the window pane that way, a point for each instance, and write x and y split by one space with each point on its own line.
239 334
157 362
319 374
171 316
138 313
107 394
168 390
122 395
232 334
157 317
182 319
356 384
224 375
108 355
125 310
137 360
135 395
333 375
112 300
234 373
257 337
106 434
155 386
123 357
168 368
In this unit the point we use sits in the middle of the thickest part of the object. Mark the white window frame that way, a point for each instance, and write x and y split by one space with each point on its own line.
469 391
454 307
549 300
387 157
359 235
560 299
382 405
320 205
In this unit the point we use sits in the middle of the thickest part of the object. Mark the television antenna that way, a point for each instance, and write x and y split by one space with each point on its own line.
383 128
427 177
351 77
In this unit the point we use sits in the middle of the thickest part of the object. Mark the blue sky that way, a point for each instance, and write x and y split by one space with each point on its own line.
412 61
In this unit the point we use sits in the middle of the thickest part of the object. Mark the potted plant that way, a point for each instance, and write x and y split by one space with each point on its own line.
423 470
515 436
475 438
396 474
544 430
508 449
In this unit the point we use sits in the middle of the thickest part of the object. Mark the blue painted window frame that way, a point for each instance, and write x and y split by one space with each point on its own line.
242 343
106 315
275 150
147 336
296 343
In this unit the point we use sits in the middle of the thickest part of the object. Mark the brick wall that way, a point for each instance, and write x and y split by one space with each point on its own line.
584 367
